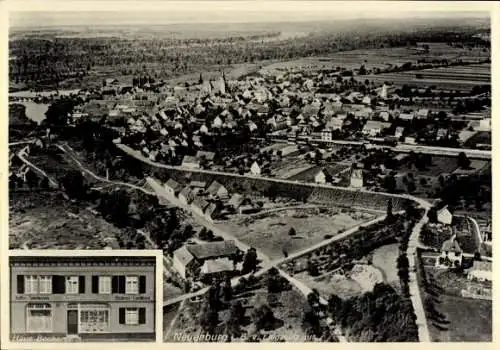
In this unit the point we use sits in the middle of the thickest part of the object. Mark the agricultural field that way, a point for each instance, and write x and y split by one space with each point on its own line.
375 58
461 78
270 233
384 259
289 167
44 220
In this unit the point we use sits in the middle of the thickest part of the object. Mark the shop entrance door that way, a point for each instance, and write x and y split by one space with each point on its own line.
72 321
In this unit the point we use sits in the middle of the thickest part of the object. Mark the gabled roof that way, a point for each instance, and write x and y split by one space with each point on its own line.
183 255
200 203
451 245
218 265
236 200
200 184
213 250
215 187
208 155
190 160
173 184
211 209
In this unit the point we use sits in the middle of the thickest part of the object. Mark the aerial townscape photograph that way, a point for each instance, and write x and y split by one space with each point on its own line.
310 171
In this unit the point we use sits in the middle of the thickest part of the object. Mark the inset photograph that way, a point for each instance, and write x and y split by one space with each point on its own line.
82 298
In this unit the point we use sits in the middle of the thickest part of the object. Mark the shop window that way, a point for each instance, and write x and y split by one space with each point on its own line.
39 318
94 318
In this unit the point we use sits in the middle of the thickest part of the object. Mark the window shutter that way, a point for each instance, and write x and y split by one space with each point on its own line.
121 315
121 284
142 284
20 284
142 315
58 284
81 284
95 284
114 284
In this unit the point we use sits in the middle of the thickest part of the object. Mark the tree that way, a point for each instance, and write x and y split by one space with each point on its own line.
31 178
235 319
209 319
263 317
58 111
74 184
389 209
463 161
227 290
292 232
390 183
250 261
312 268
432 215
311 324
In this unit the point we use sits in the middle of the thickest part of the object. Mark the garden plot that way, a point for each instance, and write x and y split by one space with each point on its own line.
271 233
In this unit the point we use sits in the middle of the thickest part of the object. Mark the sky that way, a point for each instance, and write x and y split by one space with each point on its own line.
88 13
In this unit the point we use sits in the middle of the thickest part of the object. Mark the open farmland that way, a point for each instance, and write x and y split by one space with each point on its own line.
46 220
461 78
483 137
376 58
270 233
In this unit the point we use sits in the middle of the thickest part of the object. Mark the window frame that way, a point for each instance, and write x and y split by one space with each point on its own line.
131 311
46 281
39 307
70 285
32 282
136 284
101 290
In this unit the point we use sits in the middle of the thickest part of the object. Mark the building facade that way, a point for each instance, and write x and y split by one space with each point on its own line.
96 297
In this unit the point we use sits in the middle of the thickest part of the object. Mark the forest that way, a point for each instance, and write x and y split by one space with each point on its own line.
49 60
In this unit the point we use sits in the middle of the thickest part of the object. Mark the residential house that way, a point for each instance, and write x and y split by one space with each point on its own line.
480 271
335 123
399 131
374 128
444 216
199 205
484 125
212 211
208 156
186 195
217 122
255 169
356 180
326 134
384 115
198 185
252 126
451 254
322 177
406 116
236 201
184 262
172 187
216 268
190 162
366 100
216 189
422 113
442 133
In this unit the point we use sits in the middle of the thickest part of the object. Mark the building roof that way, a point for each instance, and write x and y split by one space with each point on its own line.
187 192
183 255
200 203
173 184
190 160
236 200
200 184
481 266
215 187
213 250
217 265
208 155
211 209
451 245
